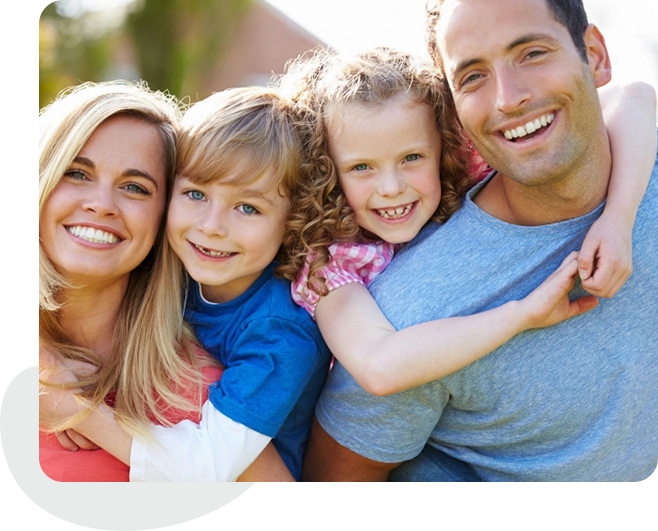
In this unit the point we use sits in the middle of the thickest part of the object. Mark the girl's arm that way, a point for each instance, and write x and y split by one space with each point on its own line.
385 361
605 260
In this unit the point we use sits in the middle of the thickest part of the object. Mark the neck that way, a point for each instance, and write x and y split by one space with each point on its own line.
89 315
569 196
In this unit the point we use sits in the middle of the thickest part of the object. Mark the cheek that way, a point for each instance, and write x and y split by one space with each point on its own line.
355 193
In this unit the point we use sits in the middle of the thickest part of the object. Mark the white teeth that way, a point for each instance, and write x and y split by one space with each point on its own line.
395 213
93 235
528 128
210 252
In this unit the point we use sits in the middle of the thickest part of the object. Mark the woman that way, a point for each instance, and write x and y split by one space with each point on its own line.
109 289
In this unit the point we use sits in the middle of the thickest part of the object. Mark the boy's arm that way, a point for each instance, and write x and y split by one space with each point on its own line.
605 260
216 449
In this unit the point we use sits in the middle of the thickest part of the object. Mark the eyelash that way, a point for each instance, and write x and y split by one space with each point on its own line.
189 193
256 212
70 174
132 188
136 189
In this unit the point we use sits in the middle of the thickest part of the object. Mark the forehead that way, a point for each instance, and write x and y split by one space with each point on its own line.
469 30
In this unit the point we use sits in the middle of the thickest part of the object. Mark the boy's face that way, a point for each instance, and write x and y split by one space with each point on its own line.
226 234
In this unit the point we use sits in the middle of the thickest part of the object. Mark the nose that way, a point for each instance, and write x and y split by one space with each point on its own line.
391 183
512 92
214 221
101 201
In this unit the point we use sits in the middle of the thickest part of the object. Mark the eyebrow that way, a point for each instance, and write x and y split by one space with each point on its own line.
525 39
249 193
130 172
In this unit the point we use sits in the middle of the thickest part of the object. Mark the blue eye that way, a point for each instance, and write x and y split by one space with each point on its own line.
195 195
248 209
136 189
361 167
75 175
412 157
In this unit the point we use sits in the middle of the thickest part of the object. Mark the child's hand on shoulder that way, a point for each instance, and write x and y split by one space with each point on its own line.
605 260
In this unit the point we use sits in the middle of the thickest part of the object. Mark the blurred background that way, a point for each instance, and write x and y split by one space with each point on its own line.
193 48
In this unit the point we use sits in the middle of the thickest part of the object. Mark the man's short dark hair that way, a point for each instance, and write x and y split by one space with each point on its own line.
570 13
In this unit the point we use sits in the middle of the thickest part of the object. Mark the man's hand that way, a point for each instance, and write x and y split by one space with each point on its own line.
606 258
549 304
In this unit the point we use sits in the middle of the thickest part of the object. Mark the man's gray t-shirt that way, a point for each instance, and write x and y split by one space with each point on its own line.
574 402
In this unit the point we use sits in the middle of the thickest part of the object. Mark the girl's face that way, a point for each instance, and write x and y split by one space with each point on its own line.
226 234
387 158
102 218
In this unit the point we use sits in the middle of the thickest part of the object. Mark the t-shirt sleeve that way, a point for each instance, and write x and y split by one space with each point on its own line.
388 429
215 449
268 368
350 262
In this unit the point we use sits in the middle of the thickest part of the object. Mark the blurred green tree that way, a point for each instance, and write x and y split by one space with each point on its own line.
175 43
178 42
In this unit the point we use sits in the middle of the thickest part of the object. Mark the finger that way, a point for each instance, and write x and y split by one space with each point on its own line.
582 305
66 442
81 440
601 281
586 259
619 283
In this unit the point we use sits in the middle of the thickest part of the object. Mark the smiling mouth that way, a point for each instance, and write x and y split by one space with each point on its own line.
530 128
211 253
93 235
395 213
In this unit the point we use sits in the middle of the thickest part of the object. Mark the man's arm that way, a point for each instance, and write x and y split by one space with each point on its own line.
326 460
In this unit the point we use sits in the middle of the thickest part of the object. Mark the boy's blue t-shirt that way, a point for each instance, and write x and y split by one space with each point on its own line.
275 361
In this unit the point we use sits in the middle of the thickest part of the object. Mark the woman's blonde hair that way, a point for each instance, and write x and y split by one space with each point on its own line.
238 135
321 84
151 356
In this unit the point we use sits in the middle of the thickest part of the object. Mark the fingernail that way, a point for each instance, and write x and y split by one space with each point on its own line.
584 275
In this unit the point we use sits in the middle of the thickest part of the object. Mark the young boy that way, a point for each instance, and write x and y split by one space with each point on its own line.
238 165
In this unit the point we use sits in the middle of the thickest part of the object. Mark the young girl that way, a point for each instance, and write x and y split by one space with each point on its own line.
386 155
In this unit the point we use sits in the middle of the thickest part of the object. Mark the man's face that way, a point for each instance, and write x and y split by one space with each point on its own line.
522 91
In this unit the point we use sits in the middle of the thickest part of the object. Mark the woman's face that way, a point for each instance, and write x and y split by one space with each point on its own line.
102 218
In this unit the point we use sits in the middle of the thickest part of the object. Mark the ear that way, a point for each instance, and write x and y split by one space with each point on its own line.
597 53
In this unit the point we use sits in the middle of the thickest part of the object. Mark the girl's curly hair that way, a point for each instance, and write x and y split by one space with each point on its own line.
320 84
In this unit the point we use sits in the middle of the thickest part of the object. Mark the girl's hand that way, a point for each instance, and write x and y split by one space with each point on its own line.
606 258
73 441
549 304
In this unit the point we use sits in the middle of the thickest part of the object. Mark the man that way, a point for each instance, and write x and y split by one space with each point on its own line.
575 402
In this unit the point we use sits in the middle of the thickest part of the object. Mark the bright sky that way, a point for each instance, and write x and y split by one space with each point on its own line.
629 26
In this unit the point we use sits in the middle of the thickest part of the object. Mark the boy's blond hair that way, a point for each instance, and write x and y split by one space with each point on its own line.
238 135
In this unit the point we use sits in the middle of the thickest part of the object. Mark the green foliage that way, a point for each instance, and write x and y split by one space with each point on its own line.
175 43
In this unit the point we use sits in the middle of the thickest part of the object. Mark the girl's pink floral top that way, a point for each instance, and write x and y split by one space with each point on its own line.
350 262
362 262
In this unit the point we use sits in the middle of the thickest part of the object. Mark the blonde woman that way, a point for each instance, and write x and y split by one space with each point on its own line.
110 313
